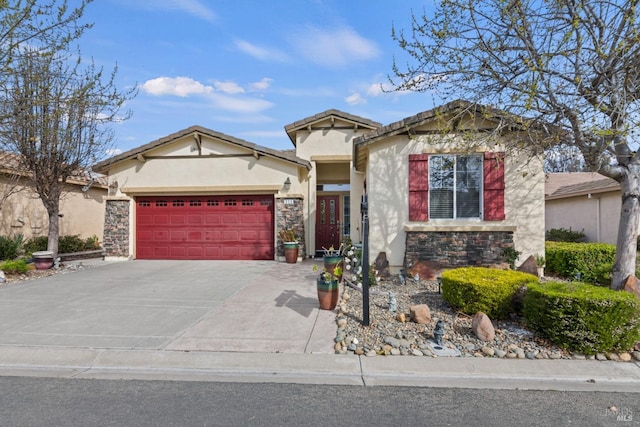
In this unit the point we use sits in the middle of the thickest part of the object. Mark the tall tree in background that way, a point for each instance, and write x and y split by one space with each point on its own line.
55 113
574 64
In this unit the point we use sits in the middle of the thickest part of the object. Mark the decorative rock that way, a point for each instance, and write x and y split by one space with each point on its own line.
601 357
555 355
337 346
612 356
488 351
500 353
351 347
371 353
625 357
529 266
401 317
579 356
381 264
426 270
393 342
359 351
420 314
395 352
342 323
416 352
404 343
2 277
530 354
636 355
482 327
339 337
632 284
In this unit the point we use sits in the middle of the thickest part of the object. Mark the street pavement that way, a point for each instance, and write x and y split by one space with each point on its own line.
240 321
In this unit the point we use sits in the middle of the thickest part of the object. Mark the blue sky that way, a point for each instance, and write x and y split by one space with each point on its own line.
247 68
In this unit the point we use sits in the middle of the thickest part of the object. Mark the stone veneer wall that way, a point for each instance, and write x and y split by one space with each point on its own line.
116 228
457 248
290 214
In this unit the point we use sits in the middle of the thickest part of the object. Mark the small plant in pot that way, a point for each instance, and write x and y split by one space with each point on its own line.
328 287
334 258
291 245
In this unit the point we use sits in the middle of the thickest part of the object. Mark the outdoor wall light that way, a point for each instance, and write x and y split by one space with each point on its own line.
287 184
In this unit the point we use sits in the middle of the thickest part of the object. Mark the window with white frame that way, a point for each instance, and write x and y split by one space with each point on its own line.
455 186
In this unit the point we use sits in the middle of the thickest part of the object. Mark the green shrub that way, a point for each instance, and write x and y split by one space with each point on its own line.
14 266
582 261
9 247
582 317
492 291
66 244
564 235
35 244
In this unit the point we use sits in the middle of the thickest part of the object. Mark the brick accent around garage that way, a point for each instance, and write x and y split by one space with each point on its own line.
290 215
116 228
457 248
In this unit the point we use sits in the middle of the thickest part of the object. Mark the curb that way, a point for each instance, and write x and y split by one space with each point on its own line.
328 369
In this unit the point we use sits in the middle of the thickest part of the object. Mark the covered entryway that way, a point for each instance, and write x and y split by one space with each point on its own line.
205 227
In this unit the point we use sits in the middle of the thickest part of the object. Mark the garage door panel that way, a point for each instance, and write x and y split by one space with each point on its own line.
205 227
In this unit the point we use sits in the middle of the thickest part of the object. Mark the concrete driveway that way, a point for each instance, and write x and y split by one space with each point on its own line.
220 306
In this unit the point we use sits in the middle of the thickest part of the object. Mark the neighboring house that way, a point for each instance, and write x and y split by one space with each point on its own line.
82 204
201 194
583 201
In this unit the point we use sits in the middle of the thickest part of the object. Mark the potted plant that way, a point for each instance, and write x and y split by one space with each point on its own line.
291 245
328 288
334 258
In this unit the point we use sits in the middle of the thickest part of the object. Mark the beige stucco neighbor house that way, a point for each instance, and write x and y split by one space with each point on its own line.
583 201
82 205
201 194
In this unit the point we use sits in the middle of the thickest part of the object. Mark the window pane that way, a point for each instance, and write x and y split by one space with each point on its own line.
468 176
455 186
441 178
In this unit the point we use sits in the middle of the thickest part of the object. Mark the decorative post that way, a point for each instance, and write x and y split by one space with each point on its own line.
364 210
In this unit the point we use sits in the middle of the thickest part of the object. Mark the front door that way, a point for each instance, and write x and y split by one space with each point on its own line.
328 222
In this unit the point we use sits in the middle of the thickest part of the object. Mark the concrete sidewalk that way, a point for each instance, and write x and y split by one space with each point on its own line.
227 321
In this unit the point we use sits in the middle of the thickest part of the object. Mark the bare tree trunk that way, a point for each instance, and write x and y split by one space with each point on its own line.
626 245
54 231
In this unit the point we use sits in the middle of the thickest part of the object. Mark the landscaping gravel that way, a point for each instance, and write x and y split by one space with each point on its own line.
394 333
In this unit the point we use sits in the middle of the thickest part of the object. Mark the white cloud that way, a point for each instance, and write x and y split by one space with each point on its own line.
240 104
263 84
193 7
355 99
227 96
113 152
228 87
377 89
261 53
334 48
178 86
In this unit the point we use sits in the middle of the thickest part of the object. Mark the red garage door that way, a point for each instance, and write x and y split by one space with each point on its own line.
204 227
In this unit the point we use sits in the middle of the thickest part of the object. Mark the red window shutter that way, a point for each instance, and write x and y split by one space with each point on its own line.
494 186
418 187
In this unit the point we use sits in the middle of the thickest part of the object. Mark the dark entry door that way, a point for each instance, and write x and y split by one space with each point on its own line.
327 222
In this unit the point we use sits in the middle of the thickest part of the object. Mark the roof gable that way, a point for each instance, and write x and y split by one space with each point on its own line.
198 131
590 183
332 115
450 113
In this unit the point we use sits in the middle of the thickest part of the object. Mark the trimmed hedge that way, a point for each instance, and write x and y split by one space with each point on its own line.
588 260
66 244
492 291
582 317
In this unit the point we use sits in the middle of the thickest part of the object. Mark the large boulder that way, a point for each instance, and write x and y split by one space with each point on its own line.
381 264
420 313
425 270
632 284
482 327
529 266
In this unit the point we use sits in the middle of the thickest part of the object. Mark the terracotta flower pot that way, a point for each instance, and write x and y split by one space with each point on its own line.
291 252
328 292
43 260
333 261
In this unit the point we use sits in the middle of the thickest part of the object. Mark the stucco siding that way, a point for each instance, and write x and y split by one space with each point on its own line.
82 212
597 216
387 186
